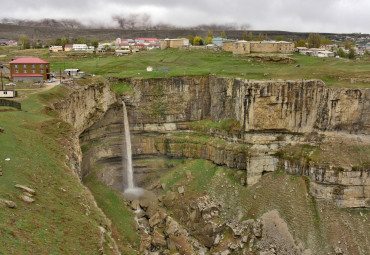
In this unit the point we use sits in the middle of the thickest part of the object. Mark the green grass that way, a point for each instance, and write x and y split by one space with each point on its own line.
334 72
58 222
113 205
121 88
201 169
226 125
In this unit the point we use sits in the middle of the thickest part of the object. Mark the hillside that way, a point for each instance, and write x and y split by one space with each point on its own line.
45 33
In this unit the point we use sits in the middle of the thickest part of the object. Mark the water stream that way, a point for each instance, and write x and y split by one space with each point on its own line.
127 153
130 190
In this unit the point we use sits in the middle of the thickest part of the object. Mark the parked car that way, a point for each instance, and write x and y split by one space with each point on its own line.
10 84
51 80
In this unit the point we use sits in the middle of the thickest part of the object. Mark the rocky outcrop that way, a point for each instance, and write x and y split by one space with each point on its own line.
347 188
291 106
195 227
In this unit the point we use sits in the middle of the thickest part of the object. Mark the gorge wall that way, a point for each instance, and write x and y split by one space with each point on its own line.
85 105
234 122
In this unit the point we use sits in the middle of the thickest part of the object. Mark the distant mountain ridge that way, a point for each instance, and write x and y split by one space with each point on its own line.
49 29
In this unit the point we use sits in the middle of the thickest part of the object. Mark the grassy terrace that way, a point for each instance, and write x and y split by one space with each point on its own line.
335 72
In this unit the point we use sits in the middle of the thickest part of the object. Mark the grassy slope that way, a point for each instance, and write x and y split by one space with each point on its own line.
335 72
316 224
58 222
113 205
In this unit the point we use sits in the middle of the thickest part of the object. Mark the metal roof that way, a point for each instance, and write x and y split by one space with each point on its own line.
28 60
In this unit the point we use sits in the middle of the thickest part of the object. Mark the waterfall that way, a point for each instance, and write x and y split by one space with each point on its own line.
127 153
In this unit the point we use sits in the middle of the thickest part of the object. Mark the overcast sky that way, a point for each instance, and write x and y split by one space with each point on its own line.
343 16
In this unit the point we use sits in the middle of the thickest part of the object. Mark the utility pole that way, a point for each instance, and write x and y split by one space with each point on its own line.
2 83
60 75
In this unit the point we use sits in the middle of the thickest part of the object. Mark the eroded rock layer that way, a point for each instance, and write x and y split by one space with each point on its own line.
185 117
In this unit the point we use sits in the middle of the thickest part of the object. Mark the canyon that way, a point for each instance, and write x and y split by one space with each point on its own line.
174 117
255 129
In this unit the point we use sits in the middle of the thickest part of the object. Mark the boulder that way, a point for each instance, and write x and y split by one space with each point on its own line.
158 239
169 199
145 243
257 228
24 188
181 189
172 227
8 203
135 205
152 210
27 199
338 251
144 203
27 194
225 252
157 219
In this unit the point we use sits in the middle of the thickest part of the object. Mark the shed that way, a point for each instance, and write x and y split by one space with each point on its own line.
74 72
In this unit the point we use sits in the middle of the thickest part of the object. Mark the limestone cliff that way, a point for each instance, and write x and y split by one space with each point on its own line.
85 105
181 117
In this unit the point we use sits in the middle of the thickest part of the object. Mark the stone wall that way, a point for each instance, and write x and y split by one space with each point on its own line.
246 47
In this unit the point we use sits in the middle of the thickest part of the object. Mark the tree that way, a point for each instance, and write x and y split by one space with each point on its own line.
279 38
301 43
210 34
38 45
260 37
223 34
250 37
58 42
107 48
351 54
63 41
349 44
94 43
80 41
341 53
325 40
209 40
245 35
314 40
191 39
198 40
24 41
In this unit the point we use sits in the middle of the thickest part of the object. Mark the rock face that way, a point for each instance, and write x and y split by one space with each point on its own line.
85 105
293 106
162 113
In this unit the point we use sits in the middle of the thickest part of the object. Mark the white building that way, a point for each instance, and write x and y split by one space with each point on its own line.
325 54
55 48
74 72
7 93
80 47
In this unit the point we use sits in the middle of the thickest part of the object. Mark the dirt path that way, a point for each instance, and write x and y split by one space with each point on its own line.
47 87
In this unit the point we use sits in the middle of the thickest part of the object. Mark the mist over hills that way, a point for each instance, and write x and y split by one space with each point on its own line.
134 27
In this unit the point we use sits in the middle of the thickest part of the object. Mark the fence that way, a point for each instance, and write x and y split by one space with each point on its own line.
4 102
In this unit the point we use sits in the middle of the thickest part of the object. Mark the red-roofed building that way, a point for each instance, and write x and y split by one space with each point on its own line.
29 69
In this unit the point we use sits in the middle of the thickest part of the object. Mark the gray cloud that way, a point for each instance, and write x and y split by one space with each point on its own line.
292 15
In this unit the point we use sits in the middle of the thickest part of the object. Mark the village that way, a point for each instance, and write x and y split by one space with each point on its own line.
37 71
